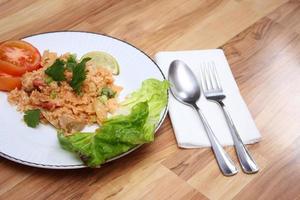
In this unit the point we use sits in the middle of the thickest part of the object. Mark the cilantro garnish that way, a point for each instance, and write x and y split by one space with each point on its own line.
108 92
32 117
53 94
56 70
71 62
48 80
79 75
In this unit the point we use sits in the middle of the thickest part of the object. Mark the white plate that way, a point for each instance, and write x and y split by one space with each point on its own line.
39 147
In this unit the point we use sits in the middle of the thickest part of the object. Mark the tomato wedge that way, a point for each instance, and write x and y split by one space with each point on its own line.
17 57
8 83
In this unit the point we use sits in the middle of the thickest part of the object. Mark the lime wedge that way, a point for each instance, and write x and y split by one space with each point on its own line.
103 59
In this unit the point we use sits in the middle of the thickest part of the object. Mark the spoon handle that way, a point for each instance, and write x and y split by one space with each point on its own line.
225 163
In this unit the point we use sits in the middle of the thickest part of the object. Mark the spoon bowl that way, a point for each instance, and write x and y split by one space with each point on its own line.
185 87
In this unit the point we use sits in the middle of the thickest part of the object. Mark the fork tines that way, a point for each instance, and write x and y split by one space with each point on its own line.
209 78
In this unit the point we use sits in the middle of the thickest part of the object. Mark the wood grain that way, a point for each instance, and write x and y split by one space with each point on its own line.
261 40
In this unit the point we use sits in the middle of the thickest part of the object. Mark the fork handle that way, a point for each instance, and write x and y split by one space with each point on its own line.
247 162
225 163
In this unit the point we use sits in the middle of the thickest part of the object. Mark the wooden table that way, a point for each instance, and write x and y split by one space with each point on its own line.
262 43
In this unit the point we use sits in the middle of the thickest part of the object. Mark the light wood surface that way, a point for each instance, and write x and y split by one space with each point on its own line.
261 40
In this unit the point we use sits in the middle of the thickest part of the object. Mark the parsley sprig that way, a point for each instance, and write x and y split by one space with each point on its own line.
79 75
71 62
32 117
57 71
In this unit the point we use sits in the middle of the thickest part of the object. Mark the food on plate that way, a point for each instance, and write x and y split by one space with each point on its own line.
68 93
120 133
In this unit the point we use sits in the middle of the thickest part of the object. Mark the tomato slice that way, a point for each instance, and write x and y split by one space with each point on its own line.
8 68
21 54
8 83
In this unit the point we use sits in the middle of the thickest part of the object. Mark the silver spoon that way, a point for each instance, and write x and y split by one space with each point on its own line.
185 88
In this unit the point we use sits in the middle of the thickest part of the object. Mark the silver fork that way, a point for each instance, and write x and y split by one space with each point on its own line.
213 91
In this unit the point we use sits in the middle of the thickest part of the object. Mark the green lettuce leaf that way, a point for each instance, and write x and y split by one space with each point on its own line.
153 91
120 133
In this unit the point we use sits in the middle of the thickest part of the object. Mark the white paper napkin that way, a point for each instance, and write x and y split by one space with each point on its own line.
187 126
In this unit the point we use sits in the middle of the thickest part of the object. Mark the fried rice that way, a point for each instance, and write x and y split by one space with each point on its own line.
59 104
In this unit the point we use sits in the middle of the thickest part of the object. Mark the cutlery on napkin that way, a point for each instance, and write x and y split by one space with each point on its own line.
188 130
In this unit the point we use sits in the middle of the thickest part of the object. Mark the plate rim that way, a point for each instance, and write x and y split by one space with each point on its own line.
79 166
